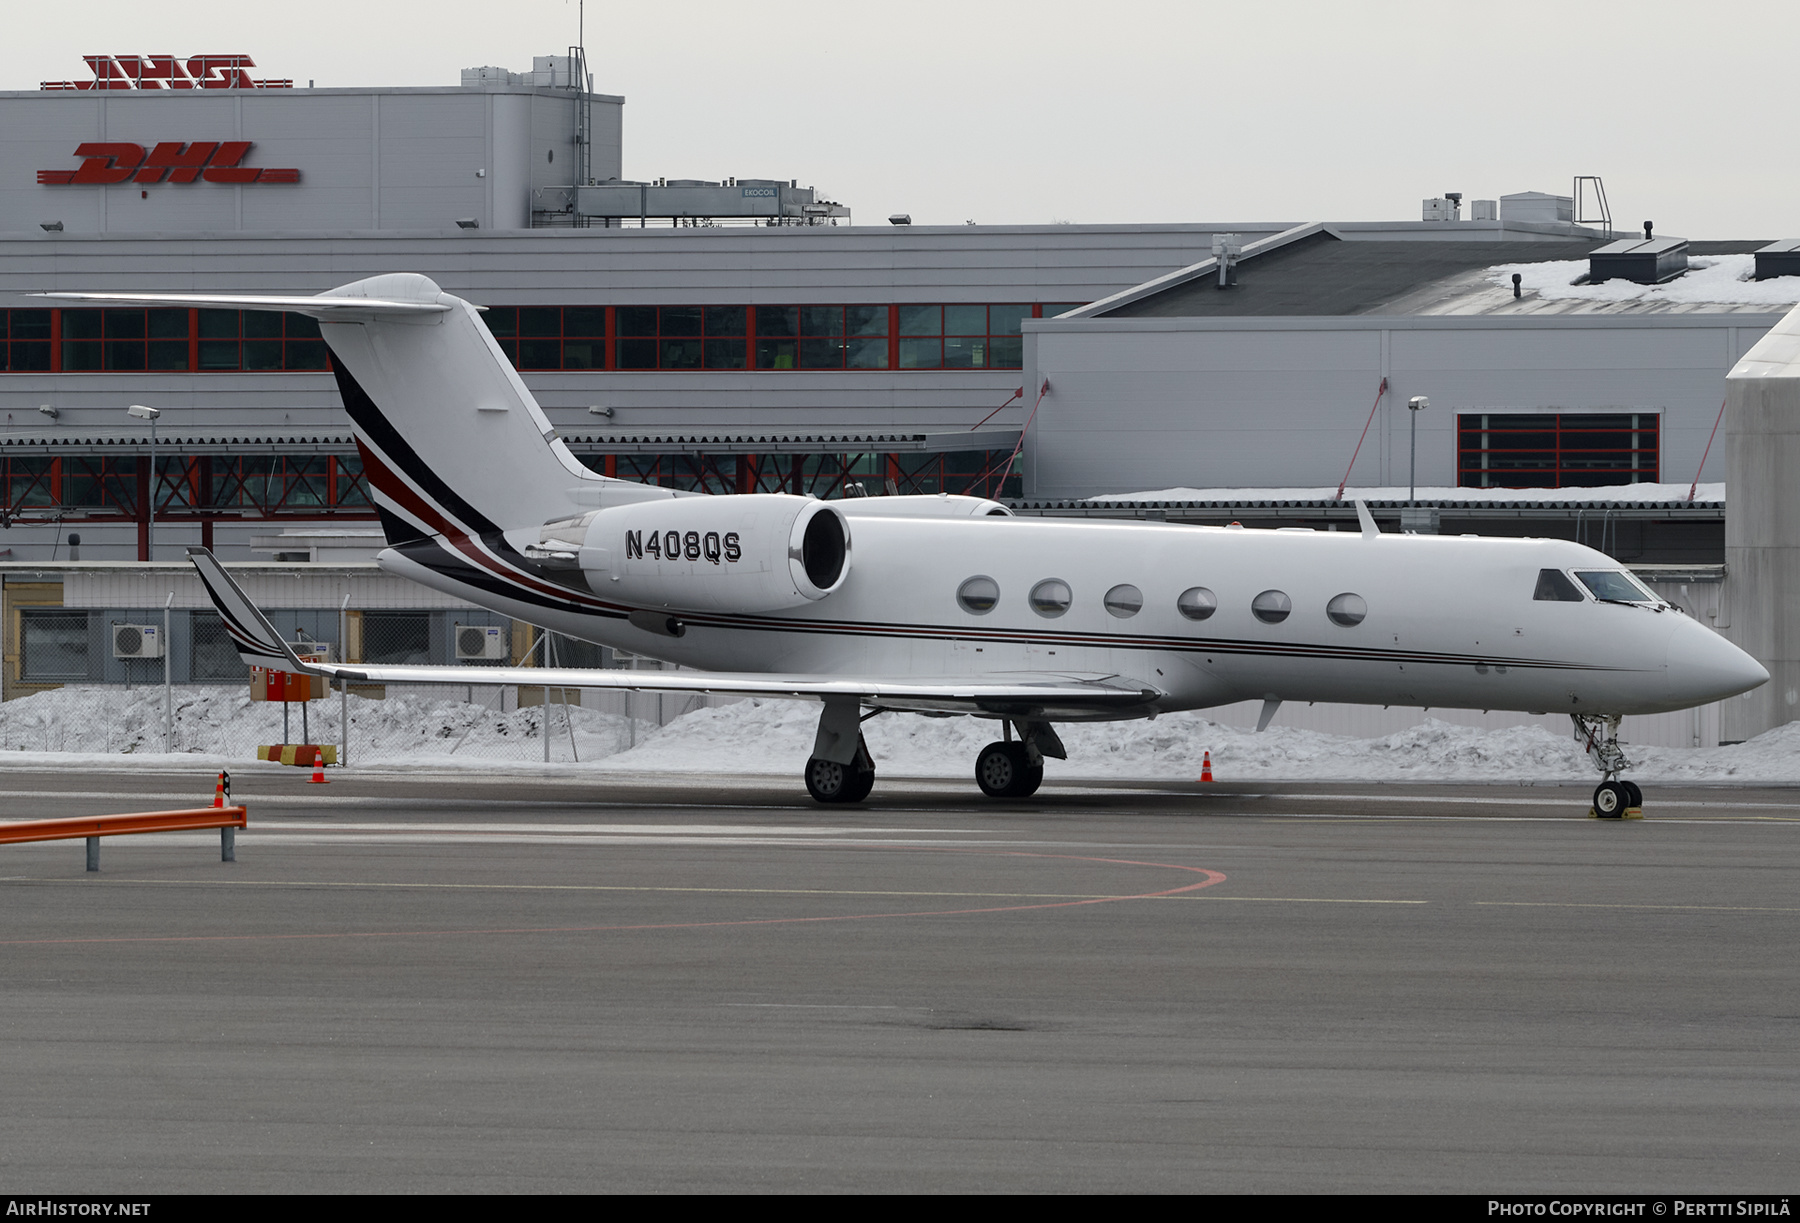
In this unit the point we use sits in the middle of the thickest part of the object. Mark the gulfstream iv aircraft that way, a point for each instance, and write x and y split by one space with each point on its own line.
947 605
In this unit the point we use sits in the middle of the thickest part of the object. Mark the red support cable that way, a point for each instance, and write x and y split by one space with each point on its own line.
1017 394
1382 390
1020 444
1709 441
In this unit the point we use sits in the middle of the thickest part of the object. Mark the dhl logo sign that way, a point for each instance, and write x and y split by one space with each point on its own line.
169 72
212 161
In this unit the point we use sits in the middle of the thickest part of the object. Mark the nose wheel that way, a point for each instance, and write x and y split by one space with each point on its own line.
1614 798
1618 800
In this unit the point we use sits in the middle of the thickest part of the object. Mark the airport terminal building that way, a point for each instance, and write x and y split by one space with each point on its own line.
746 333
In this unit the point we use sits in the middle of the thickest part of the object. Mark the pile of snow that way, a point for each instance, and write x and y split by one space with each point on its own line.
222 727
1710 280
1428 495
222 722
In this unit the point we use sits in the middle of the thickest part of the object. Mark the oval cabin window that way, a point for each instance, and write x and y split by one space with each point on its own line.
978 595
1124 601
1051 597
1347 610
1271 606
1197 603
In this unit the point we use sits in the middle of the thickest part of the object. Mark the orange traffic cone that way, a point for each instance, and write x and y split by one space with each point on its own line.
1206 766
219 792
318 777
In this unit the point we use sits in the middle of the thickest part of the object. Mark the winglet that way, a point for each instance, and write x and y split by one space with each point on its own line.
256 639
1369 529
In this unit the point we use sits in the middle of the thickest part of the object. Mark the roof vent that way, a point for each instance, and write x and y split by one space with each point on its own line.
1778 259
1645 261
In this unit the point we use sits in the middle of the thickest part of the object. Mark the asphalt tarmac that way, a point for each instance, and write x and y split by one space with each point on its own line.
646 984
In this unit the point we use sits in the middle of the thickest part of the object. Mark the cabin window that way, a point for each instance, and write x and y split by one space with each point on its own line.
1124 601
1615 584
1197 603
1347 609
1050 597
978 595
1554 586
1271 606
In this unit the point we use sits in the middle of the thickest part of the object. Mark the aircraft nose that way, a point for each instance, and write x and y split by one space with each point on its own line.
1703 666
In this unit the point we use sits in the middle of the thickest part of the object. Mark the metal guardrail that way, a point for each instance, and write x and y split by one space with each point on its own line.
92 827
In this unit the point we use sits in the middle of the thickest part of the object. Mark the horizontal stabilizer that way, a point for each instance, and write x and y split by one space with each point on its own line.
346 309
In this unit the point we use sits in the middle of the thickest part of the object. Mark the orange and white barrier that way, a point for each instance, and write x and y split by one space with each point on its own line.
301 754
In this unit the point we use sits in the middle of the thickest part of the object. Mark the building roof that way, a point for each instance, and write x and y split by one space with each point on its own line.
1316 273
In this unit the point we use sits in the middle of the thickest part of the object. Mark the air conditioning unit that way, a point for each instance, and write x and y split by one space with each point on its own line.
485 641
137 641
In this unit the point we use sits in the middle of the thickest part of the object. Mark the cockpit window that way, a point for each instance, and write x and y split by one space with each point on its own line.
1554 586
1615 584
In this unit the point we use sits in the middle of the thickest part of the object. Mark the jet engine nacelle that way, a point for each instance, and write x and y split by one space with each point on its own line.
759 552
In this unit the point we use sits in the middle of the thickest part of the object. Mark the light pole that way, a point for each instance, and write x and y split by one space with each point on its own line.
1415 405
150 414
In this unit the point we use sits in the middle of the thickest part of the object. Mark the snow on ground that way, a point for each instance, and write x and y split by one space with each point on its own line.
220 727
1429 496
1710 279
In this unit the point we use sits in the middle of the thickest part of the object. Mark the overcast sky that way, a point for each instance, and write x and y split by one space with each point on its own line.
1101 111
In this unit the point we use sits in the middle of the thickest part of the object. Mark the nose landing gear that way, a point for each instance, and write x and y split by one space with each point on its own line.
1614 798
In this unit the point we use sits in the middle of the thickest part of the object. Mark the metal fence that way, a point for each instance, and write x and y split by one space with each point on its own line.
196 698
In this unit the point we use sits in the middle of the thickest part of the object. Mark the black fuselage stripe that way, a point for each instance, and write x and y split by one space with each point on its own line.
460 570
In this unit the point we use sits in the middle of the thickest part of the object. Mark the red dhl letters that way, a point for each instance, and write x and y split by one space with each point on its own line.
210 161
169 72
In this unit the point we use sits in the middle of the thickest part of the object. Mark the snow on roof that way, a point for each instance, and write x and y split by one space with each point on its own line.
1611 494
1710 280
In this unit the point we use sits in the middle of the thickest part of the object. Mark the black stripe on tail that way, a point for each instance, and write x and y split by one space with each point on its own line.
380 432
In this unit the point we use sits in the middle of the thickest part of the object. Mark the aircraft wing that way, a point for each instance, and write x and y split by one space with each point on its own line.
1064 695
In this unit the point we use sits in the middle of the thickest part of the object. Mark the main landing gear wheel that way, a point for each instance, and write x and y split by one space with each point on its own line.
1004 770
830 782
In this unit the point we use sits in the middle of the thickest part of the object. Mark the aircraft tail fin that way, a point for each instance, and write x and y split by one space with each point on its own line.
452 441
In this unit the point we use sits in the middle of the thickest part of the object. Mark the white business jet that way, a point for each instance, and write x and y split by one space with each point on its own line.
947 605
